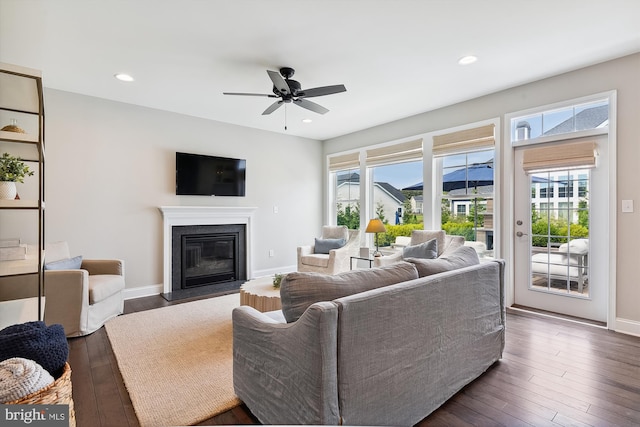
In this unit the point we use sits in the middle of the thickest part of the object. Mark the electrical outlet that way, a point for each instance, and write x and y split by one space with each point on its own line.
275 209
272 252
627 206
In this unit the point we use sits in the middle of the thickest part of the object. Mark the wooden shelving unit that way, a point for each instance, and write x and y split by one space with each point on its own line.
22 101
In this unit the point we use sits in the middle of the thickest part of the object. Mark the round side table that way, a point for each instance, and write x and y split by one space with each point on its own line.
260 294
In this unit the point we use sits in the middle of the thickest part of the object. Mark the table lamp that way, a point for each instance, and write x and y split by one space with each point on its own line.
376 226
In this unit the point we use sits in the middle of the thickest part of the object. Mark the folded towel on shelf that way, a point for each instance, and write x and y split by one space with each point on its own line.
45 345
19 377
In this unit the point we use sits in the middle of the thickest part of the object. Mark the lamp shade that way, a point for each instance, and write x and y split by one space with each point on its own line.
375 226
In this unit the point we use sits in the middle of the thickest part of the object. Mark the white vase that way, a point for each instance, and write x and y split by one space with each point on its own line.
8 190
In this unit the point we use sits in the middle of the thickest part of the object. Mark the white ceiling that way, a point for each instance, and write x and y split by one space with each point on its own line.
397 58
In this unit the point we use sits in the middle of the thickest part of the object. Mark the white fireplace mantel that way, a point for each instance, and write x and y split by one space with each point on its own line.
203 215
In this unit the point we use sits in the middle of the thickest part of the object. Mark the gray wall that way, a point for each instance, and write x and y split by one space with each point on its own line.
110 165
621 75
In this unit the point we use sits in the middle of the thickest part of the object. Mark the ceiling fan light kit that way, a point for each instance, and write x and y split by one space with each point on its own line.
290 91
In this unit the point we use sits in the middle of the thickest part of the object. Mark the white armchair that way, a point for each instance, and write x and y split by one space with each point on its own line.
446 244
81 297
337 260
570 261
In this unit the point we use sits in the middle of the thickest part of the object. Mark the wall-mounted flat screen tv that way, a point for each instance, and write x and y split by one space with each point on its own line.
200 175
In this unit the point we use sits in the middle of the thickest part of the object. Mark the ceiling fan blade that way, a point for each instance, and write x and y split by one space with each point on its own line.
250 94
311 106
273 107
279 82
321 91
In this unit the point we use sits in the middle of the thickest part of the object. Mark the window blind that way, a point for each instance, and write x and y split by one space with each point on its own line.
560 156
345 161
404 151
464 141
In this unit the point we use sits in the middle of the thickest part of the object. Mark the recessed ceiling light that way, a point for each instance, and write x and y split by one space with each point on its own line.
123 77
306 120
466 60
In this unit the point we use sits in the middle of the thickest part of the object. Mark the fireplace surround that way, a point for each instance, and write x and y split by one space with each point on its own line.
177 216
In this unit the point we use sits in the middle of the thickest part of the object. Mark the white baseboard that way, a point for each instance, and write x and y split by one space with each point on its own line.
142 291
626 326
272 271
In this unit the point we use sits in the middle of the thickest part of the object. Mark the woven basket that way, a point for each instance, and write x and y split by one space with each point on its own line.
56 393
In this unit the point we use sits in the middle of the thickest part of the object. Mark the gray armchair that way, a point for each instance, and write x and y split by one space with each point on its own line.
337 260
82 299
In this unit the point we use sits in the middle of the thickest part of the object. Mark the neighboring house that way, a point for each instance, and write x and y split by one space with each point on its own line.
417 204
384 194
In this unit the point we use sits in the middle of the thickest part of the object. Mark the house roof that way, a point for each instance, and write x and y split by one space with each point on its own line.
354 178
590 118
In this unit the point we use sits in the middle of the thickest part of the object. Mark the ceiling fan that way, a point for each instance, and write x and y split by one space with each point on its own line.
291 91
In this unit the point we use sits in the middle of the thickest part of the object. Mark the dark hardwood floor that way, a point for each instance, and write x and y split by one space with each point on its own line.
553 373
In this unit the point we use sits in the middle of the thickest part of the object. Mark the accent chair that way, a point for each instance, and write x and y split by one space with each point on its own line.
81 294
329 261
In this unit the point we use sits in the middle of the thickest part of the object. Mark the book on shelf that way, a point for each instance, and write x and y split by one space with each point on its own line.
12 250
10 242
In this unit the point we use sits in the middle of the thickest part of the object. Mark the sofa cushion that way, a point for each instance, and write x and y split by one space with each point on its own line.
464 256
102 286
323 246
576 246
65 264
299 290
427 250
316 260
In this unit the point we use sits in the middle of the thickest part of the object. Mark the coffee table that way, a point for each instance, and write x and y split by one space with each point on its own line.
260 294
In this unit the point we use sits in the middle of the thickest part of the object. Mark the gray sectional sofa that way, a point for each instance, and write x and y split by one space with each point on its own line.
370 347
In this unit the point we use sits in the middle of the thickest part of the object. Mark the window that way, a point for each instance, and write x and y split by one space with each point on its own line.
345 174
391 188
466 159
546 191
580 117
395 174
467 187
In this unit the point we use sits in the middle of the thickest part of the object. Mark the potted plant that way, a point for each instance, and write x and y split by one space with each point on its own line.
12 170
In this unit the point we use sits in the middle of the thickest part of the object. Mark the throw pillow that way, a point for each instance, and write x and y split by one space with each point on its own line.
421 236
427 250
65 264
464 256
299 290
323 246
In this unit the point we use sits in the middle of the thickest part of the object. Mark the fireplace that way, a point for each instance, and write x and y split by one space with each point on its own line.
216 252
204 255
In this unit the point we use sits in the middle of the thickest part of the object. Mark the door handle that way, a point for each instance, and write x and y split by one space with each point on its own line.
520 234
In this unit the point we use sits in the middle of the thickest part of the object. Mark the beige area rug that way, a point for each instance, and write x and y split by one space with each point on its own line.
176 361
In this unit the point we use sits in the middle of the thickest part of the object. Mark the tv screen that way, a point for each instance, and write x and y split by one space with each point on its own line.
199 175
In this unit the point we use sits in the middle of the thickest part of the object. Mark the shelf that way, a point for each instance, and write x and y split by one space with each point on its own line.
22 266
18 137
22 104
19 204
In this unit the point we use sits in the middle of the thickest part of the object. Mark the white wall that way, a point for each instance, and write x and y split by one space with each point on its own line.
110 165
621 75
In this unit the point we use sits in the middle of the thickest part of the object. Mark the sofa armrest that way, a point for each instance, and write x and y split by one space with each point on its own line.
103 266
385 260
305 250
286 373
66 299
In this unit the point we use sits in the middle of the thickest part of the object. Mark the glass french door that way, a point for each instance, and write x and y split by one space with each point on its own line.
560 237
